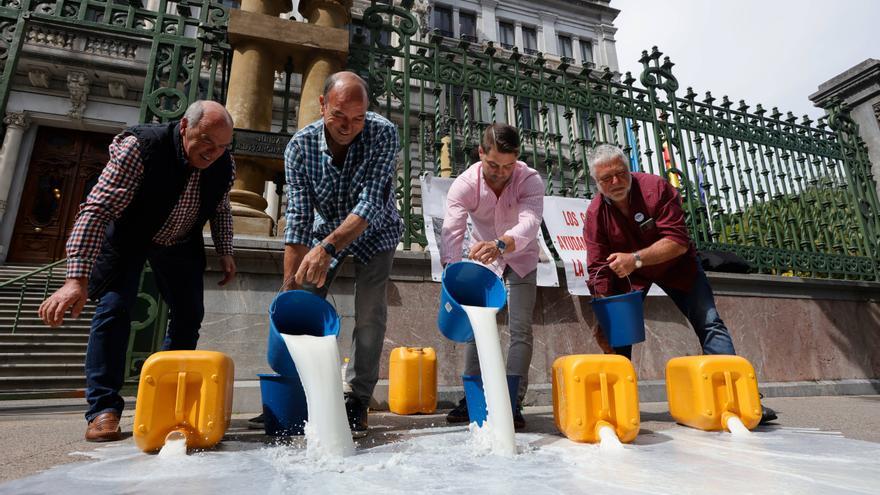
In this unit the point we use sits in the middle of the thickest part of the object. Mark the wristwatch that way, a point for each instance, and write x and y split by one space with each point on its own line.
638 260
328 247
501 245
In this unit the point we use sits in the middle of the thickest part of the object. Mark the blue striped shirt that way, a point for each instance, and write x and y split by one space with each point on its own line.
321 195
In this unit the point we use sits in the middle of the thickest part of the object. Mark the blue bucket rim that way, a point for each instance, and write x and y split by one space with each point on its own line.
601 300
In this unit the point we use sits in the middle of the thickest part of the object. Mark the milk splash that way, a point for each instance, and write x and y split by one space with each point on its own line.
499 414
317 362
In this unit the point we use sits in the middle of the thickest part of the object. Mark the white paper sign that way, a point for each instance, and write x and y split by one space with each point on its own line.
564 218
434 190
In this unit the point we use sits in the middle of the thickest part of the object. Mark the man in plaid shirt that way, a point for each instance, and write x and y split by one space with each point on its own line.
341 172
162 184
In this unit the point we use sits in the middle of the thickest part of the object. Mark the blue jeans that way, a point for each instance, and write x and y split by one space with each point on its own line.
698 306
370 320
178 270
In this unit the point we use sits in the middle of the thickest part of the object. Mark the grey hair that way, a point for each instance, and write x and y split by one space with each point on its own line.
604 153
196 110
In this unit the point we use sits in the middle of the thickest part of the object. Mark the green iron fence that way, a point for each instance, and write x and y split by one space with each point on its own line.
189 54
790 196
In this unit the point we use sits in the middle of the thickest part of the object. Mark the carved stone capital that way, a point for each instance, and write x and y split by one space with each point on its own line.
20 120
78 86
39 78
339 9
117 88
876 108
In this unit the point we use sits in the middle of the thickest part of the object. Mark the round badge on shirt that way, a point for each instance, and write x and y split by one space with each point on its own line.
639 217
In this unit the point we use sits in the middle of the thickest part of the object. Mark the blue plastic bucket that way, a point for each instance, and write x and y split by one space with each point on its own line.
621 318
297 312
284 405
471 284
476 398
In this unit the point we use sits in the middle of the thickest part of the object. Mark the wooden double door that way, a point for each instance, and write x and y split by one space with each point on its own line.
64 166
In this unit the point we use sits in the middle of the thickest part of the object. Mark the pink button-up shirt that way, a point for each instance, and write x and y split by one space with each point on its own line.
517 212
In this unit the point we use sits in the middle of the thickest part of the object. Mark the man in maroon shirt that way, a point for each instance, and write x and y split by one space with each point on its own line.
635 227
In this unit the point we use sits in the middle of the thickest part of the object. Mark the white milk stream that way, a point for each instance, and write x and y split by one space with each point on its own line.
317 361
608 439
499 415
736 427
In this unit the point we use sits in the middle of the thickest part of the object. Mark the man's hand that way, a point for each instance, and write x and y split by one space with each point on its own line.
314 267
599 335
622 263
227 264
485 252
72 295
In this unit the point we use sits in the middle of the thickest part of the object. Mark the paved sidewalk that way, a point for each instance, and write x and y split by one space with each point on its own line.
37 435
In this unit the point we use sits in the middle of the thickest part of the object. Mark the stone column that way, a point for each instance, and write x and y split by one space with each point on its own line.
16 124
251 86
518 36
456 23
548 23
489 22
327 13
607 52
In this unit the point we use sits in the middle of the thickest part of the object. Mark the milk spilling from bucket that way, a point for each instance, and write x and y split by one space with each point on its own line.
499 415
317 362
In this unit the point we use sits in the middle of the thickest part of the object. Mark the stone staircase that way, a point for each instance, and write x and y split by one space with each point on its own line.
37 361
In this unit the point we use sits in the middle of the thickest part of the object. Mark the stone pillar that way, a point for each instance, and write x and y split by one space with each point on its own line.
607 52
576 49
489 22
16 124
548 24
518 36
251 86
327 13
456 23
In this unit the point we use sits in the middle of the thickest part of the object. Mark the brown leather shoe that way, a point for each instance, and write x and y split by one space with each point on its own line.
104 428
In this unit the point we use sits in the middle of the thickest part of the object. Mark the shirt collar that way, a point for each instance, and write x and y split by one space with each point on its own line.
178 146
324 148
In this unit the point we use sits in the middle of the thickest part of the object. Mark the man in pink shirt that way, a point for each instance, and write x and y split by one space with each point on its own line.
505 201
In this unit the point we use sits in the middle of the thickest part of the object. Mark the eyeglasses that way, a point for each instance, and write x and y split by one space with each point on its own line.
608 178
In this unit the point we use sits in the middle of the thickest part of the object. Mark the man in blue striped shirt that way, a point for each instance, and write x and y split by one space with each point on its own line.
341 172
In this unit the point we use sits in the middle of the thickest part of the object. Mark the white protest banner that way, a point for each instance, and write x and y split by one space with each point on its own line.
434 191
564 218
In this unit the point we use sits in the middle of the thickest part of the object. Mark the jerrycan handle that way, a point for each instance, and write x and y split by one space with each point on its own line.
180 401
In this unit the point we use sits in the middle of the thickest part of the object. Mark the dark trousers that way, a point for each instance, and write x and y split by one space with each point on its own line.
179 272
698 306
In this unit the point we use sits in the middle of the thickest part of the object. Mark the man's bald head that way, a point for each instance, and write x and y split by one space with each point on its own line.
346 82
206 128
344 107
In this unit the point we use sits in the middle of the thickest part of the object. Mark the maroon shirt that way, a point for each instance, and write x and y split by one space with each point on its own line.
607 231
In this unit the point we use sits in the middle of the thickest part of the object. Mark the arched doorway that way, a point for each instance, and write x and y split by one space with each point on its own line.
64 166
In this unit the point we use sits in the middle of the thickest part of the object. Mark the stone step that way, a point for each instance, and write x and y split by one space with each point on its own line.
24 384
42 370
33 319
75 327
45 338
42 357
43 347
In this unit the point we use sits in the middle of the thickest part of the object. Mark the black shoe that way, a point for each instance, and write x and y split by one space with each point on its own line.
767 415
257 423
519 422
357 416
459 414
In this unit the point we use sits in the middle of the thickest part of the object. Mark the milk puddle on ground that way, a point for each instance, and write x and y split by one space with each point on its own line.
317 362
677 461
499 417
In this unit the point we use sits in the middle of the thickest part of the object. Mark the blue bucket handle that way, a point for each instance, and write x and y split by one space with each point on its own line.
627 280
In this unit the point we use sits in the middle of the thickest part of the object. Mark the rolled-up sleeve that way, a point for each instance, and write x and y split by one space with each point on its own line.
531 211
455 218
300 208
379 184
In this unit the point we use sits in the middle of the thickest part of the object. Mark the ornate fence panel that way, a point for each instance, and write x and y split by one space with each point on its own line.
787 195
189 53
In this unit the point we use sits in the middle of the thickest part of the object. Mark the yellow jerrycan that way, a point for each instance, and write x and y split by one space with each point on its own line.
595 390
412 380
706 391
183 392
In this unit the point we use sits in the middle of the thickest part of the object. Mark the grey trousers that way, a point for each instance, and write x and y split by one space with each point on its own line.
521 292
370 318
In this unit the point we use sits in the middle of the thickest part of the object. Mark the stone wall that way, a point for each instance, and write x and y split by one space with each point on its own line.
791 329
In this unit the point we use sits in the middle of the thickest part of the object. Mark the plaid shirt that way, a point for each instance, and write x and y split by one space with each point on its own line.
116 187
321 195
